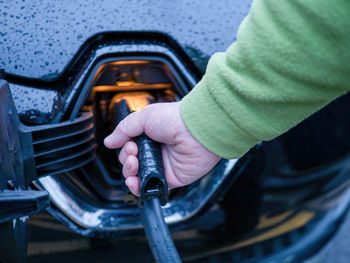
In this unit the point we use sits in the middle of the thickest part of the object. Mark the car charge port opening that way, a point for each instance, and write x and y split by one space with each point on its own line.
115 83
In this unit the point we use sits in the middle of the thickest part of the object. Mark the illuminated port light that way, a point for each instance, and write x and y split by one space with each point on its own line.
110 80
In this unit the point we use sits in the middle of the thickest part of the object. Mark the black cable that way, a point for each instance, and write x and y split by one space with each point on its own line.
157 233
154 188
153 193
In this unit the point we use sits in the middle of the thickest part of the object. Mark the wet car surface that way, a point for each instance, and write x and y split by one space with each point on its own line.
201 27
63 245
51 54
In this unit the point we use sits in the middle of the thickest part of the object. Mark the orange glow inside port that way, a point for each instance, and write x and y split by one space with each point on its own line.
131 75
127 83
126 62
136 100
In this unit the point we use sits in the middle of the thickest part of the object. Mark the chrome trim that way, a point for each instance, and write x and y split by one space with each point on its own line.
158 52
97 219
88 218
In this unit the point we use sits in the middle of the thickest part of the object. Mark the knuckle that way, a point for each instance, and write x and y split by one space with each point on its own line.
121 157
128 148
125 172
122 126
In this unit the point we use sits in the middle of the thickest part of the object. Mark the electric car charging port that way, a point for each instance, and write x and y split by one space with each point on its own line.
130 78
89 196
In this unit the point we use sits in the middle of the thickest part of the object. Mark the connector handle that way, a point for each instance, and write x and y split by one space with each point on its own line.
151 171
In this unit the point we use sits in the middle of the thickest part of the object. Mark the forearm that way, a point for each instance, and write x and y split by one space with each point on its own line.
290 59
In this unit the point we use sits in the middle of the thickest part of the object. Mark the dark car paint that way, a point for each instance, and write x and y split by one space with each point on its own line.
44 49
44 101
45 46
39 40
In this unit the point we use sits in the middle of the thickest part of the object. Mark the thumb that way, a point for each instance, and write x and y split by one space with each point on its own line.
132 126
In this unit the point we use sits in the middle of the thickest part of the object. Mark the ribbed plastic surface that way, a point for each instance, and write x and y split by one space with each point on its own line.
151 171
65 146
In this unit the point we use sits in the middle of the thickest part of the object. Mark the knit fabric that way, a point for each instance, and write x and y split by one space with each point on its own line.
290 59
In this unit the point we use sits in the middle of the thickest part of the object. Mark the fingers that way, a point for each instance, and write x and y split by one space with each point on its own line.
133 183
131 126
130 148
130 166
130 169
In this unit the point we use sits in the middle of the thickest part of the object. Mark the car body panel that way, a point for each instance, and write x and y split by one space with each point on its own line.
34 32
49 51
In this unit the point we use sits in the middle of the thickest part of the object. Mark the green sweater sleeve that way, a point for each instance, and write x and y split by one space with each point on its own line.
290 59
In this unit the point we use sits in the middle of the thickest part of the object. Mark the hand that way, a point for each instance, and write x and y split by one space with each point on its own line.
185 160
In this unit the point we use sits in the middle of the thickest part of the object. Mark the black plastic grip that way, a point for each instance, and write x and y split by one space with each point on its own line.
151 171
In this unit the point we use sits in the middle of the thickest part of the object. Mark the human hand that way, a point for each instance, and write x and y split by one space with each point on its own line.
185 160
